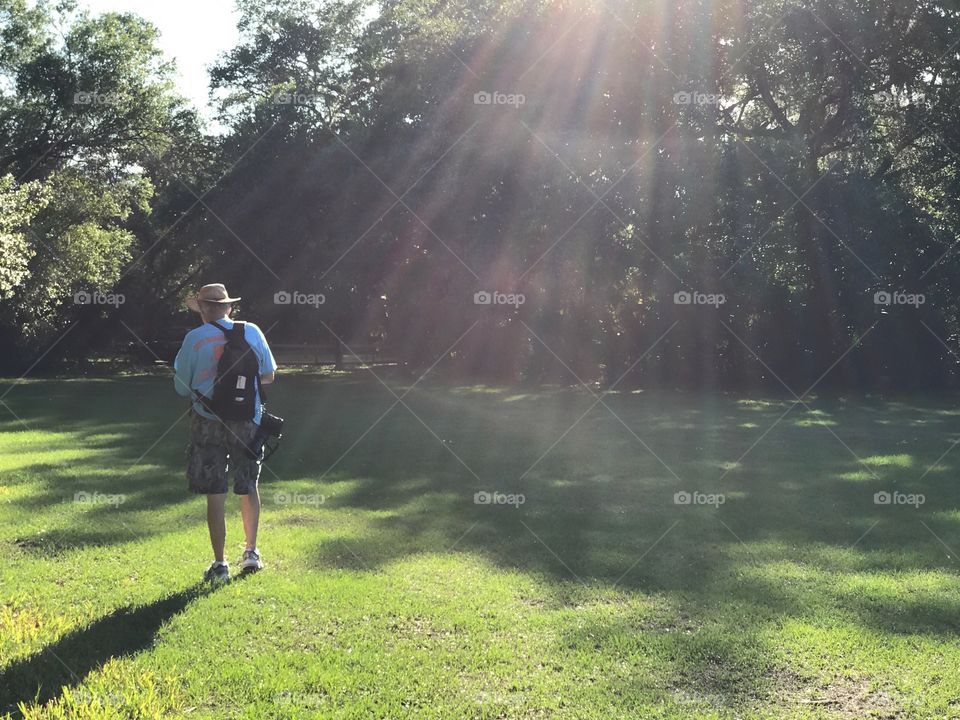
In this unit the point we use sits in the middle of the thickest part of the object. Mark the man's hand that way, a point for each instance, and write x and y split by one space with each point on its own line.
268 378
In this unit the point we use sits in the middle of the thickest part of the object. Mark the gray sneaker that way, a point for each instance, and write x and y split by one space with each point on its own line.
218 572
251 561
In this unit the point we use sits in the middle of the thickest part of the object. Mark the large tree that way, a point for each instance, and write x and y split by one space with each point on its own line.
85 103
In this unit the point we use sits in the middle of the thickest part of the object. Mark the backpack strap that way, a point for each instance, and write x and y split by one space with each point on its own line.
225 330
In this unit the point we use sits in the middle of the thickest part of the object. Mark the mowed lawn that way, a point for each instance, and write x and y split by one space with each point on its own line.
390 592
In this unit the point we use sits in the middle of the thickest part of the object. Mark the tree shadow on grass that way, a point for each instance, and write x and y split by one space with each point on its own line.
100 457
42 677
601 507
79 505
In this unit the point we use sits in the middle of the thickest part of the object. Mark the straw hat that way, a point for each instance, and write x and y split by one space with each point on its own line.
216 294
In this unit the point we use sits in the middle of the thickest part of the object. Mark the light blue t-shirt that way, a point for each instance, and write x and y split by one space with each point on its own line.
196 363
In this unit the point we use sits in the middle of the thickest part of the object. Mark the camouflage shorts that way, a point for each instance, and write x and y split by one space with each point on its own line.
216 448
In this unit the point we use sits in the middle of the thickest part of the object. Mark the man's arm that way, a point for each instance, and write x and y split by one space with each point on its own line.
268 366
183 370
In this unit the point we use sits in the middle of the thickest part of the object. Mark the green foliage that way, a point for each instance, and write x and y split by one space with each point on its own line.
295 66
820 169
19 204
84 108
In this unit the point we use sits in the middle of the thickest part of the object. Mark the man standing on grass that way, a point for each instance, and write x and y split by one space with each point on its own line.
217 446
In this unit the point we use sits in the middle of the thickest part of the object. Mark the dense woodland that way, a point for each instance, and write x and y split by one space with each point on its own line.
792 158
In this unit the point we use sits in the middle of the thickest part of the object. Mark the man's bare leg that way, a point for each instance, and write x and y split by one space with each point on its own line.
217 524
250 511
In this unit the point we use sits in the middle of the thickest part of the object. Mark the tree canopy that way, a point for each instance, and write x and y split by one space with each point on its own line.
691 194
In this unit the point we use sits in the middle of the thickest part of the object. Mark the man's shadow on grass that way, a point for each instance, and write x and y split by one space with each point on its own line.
42 677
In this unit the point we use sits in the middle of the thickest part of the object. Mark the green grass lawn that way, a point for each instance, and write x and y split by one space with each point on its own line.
389 592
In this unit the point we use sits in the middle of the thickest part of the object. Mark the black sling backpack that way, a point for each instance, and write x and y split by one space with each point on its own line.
238 376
